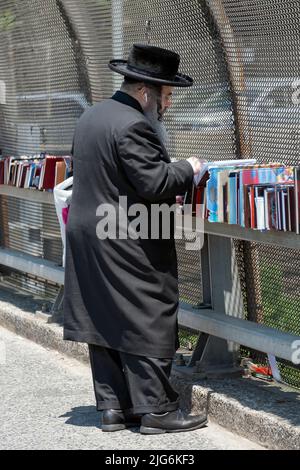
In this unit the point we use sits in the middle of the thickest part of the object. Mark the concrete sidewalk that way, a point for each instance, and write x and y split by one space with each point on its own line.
47 402
264 413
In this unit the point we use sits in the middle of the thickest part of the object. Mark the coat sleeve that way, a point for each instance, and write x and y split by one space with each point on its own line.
140 156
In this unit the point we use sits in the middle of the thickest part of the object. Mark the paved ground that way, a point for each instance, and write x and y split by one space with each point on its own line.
47 403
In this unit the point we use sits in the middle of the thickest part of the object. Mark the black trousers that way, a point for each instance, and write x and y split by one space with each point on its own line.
137 383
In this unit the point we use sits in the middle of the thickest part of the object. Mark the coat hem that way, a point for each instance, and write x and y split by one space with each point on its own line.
97 340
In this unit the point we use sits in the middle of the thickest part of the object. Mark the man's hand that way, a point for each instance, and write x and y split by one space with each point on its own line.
179 200
197 164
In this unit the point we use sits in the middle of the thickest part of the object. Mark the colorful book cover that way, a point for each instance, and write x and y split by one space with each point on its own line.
233 197
212 193
225 202
278 208
285 211
31 175
266 209
48 175
37 175
272 208
1 171
262 174
252 207
297 198
291 208
222 195
60 172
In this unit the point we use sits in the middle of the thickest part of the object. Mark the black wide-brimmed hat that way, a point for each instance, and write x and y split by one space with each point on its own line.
153 65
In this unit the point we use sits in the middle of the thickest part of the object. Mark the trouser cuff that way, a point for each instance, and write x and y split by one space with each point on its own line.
144 409
112 405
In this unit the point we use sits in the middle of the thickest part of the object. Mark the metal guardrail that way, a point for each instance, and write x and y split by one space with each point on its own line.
33 195
249 334
270 237
215 322
32 265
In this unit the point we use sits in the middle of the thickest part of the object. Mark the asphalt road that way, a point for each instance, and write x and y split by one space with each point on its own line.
47 402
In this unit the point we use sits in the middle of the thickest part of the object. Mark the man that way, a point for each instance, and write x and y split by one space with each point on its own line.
121 292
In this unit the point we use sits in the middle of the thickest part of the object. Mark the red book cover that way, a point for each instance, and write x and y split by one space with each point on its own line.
272 209
1 171
250 176
204 179
225 202
24 172
247 208
12 170
199 200
49 174
292 214
252 207
297 198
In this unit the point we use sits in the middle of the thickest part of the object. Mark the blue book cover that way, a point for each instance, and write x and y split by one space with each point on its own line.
232 218
212 192
32 168
212 195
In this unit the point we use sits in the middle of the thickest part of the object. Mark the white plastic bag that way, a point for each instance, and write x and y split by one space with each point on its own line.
62 197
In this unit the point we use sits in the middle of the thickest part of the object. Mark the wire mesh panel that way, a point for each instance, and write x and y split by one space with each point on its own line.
41 97
92 23
200 122
30 227
261 41
189 275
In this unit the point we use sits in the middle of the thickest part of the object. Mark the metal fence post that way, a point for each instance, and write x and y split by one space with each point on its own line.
226 296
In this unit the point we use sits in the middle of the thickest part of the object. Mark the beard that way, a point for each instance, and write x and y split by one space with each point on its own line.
158 126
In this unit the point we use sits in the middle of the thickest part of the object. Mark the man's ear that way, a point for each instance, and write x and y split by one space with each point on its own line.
143 91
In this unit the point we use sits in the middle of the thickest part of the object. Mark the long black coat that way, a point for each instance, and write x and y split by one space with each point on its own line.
121 293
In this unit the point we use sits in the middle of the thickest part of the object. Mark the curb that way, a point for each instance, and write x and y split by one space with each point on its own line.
241 408
266 414
49 335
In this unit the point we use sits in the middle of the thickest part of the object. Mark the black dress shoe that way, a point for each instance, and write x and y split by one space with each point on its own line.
116 420
172 421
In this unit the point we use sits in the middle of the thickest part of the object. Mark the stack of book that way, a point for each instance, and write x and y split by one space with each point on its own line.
41 172
261 197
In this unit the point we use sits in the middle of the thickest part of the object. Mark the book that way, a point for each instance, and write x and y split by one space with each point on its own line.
232 197
278 208
60 172
1 171
47 179
222 192
291 208
269 197
259 174
272 209
220 164
297 198
252 207
260 212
